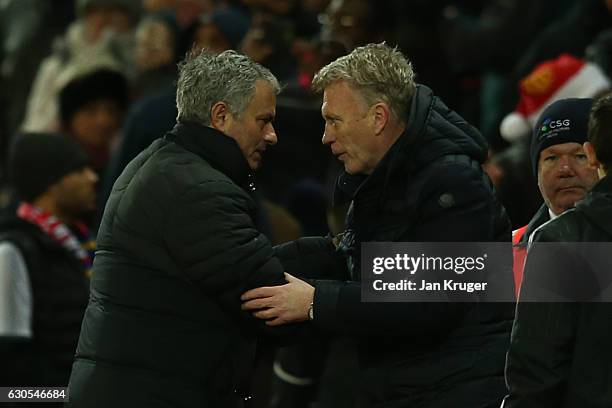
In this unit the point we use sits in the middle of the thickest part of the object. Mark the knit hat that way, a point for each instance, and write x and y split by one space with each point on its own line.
98 84
564 77
39 160
565 121
232 24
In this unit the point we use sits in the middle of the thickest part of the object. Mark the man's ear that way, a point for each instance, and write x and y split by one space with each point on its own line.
220 116
382 115
591 156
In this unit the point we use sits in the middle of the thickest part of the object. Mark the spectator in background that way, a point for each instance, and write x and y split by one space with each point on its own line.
186 11
560 354
563 77
27 30
102 36
269 42
352 23
302 15
217 31
560 166
156 53
45 258
92 107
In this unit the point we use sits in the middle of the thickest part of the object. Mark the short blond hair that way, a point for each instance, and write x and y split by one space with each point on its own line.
379 72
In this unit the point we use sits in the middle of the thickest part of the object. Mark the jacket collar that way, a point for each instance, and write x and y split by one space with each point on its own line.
540 217
219 150
432 131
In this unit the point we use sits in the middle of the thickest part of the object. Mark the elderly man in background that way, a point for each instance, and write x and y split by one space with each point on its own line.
560 166
560 351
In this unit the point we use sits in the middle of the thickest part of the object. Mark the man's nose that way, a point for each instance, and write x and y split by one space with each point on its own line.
565 167
270 136
327 136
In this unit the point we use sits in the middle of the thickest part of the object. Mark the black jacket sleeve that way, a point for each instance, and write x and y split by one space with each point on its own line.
312 258
338 308
212 237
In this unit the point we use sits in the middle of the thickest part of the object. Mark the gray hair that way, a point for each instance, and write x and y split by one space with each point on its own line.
379 72
205 79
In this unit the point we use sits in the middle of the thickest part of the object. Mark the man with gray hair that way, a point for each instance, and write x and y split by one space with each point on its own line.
177 247
412 173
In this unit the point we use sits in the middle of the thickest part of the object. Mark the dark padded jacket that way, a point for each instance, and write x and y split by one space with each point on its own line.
59 298
560 351
428 188
177 248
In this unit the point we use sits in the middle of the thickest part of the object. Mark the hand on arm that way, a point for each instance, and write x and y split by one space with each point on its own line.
288 303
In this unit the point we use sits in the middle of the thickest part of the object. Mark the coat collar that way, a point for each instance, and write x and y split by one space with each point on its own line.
219 150
432 131
541 217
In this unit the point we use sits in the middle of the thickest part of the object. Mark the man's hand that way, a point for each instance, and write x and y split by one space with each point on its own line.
282 304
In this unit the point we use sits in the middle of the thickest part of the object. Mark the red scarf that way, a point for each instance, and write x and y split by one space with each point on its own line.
58 232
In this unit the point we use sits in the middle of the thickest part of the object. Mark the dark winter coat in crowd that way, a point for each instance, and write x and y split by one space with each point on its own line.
560 352
60 290
428 188
177 248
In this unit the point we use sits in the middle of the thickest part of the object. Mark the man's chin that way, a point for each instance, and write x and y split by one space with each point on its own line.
254 165
348 168
569 201
352 170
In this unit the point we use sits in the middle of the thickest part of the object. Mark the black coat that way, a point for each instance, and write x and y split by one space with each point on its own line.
59 297
414 354
177 248
560 351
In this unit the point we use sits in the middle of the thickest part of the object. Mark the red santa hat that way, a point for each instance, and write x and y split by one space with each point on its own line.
564 77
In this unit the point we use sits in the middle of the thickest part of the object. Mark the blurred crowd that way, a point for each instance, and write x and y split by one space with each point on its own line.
103 71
